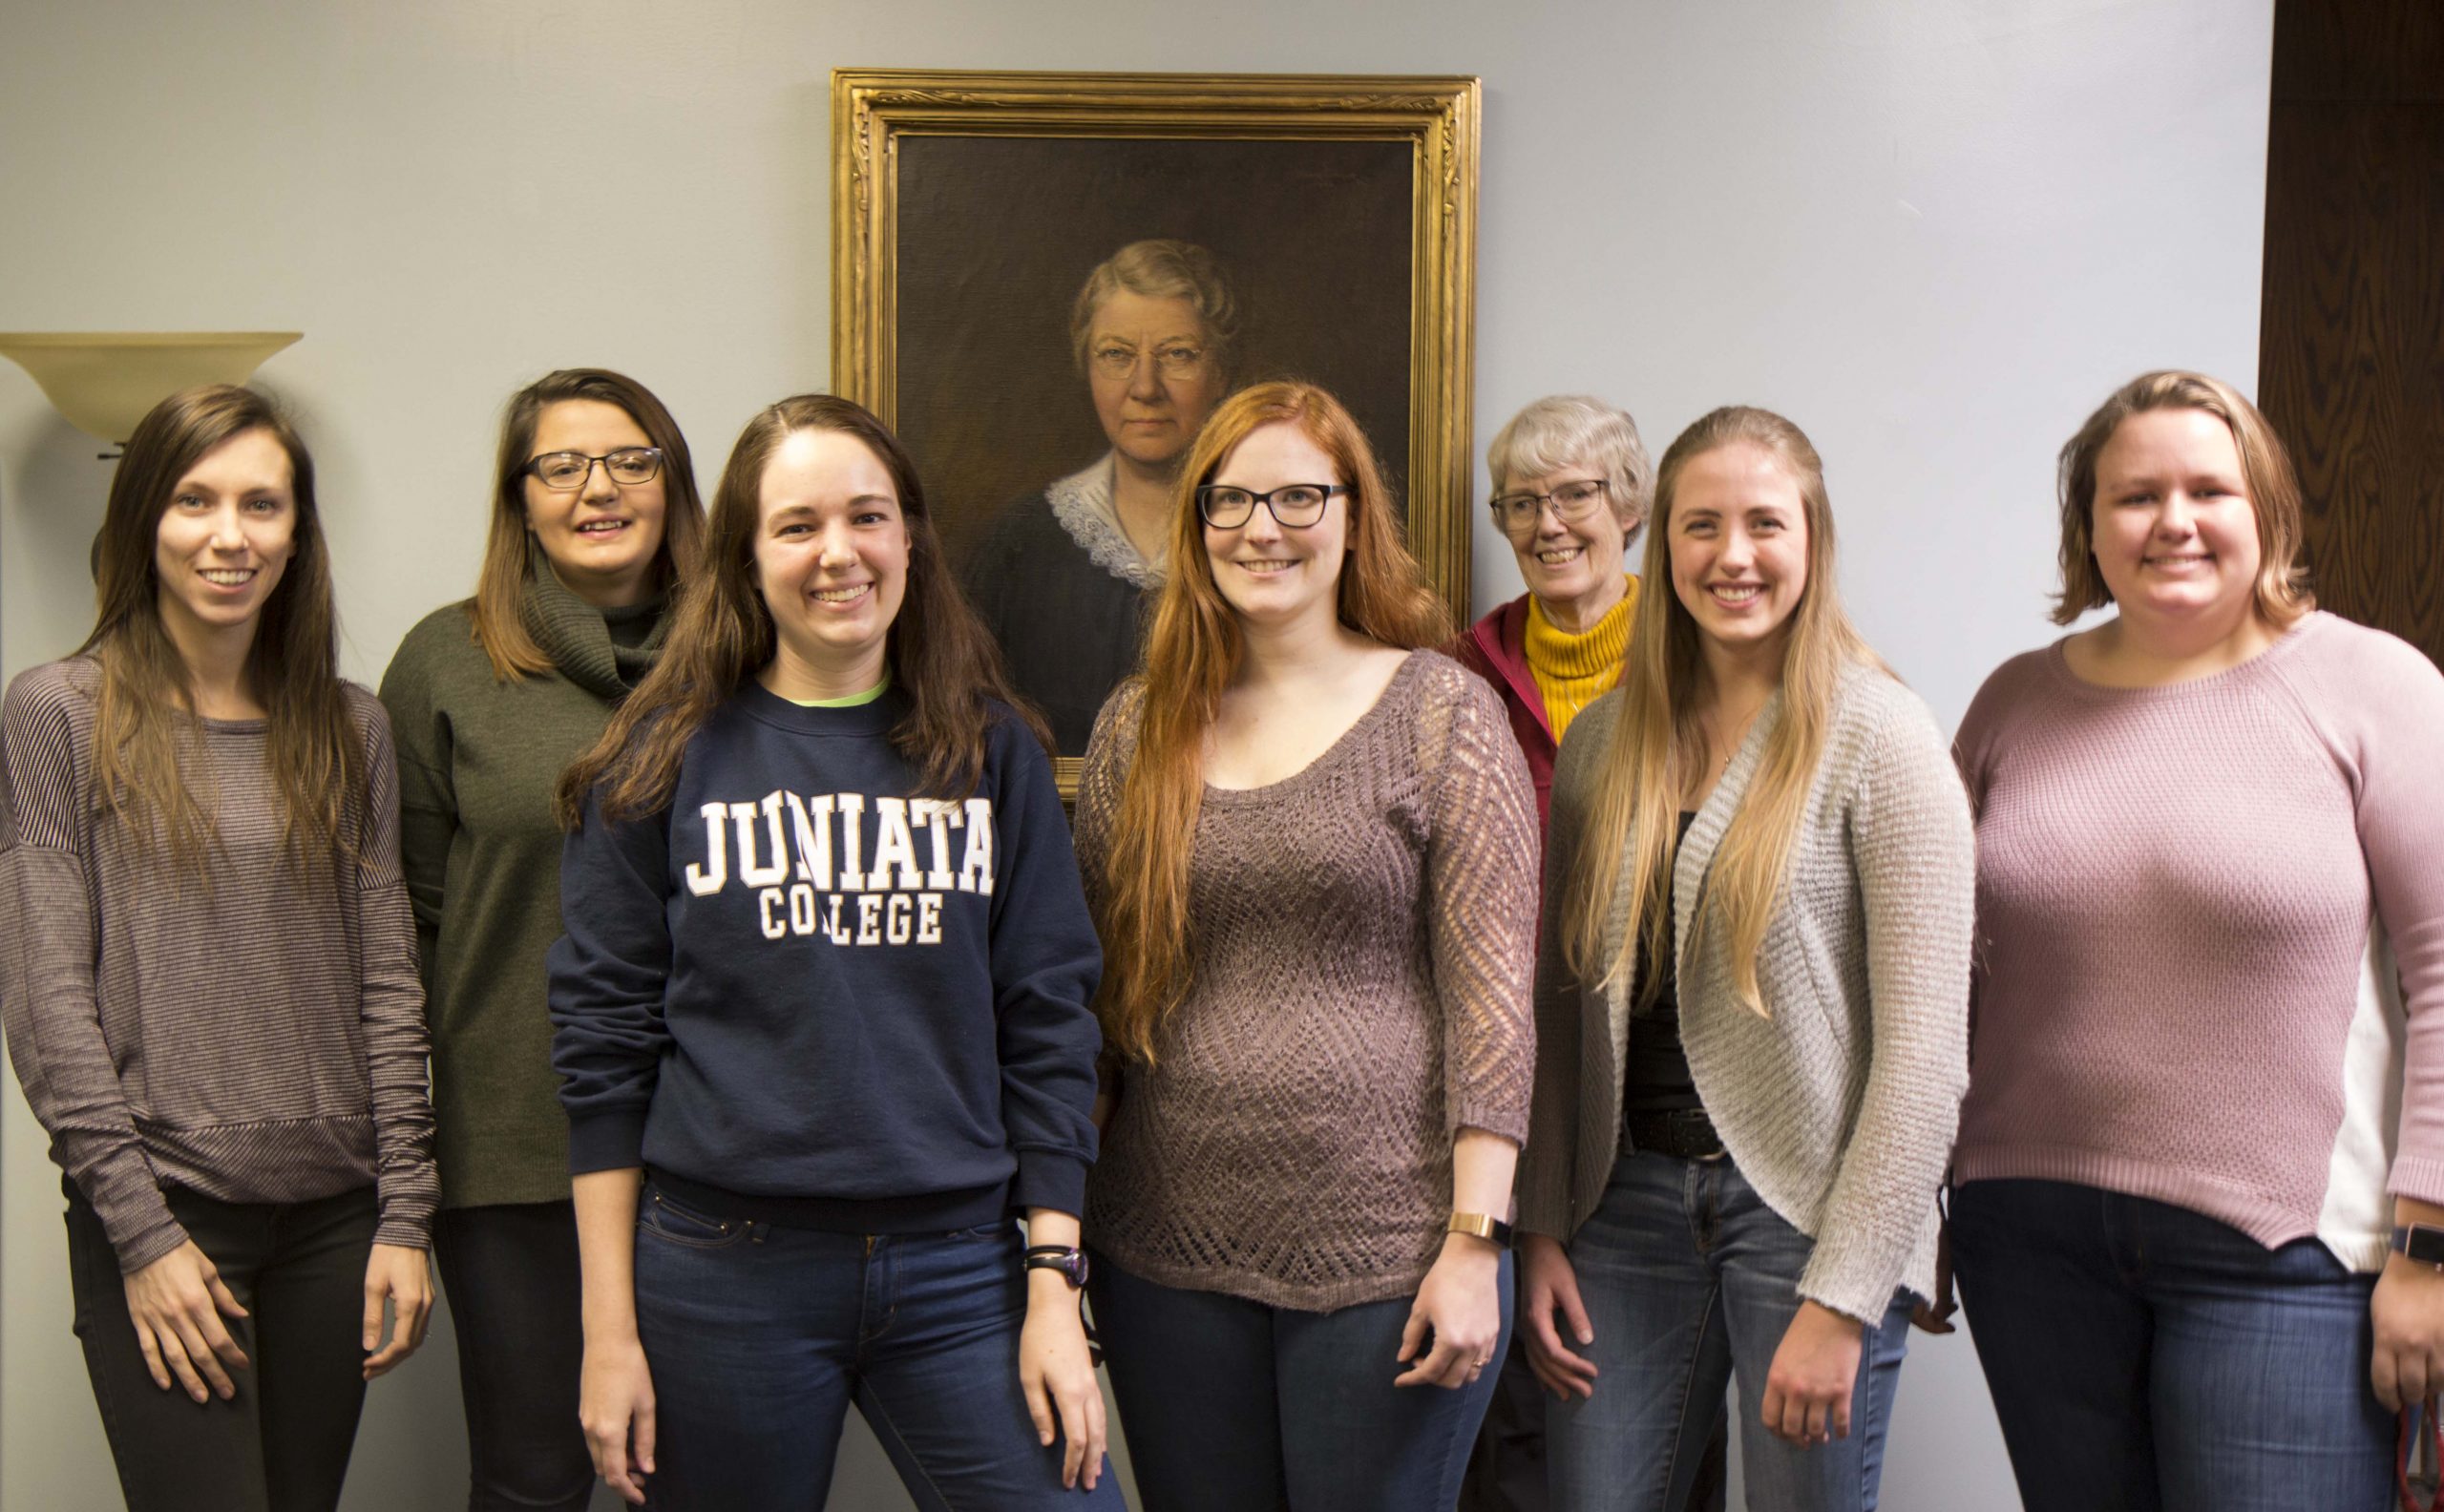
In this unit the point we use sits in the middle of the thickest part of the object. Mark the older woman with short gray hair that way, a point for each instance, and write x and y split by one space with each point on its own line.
1571 487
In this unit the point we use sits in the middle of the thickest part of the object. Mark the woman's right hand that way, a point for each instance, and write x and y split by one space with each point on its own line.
1549 1284
176 1303
615 1405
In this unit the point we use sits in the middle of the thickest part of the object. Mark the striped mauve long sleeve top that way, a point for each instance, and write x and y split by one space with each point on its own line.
255 1037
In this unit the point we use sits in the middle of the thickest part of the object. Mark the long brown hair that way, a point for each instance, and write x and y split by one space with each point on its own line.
2281 589
940 656
500 587
147 691
1192 658
1657 744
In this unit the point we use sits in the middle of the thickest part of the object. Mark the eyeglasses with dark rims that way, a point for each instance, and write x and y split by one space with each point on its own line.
1572 502
568 470
1294 506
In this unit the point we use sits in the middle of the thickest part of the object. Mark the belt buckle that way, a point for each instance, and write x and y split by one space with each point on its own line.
1676 1123
1695 1118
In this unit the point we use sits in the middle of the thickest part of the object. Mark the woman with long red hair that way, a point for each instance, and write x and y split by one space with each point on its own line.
1310 844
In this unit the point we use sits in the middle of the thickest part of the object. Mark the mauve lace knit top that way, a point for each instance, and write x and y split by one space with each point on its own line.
1363 935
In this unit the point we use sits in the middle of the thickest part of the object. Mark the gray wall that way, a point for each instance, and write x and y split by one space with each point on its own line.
1933 232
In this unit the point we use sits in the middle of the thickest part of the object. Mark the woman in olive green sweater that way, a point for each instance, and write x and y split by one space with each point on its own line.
595 519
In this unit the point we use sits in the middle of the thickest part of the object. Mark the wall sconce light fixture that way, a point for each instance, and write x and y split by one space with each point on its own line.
105 382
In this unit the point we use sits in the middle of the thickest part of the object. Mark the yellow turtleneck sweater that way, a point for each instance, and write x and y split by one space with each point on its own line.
1573 671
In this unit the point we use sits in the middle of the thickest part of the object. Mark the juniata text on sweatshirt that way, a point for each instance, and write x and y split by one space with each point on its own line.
804 994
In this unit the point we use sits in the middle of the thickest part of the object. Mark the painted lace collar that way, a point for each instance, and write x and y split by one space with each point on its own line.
1083 503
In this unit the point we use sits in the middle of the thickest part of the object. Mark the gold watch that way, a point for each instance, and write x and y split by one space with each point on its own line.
1482 1226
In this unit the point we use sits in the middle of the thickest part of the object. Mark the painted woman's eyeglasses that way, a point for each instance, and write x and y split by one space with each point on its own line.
1516 512
1172 361
1294 506
567 471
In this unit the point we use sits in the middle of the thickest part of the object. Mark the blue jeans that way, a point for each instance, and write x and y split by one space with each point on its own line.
2144 1356
1233 1406
759 1336
1690 1282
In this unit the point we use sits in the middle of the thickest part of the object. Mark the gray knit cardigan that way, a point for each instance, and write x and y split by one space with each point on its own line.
1841 1105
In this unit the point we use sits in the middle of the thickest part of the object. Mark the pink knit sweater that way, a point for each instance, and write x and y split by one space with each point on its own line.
2211 936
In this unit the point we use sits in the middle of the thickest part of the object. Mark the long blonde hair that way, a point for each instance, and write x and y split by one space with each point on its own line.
1192 658
1657 744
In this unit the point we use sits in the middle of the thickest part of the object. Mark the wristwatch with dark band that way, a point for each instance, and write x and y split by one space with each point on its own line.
1069 1261
2423 1242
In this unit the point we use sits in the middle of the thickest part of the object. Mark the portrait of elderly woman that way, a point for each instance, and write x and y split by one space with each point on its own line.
1061 575
1047 283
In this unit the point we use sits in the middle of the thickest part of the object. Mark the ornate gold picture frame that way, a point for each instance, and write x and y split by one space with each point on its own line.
971 211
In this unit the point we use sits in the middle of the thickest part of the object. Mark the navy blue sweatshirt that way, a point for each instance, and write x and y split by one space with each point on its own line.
802 994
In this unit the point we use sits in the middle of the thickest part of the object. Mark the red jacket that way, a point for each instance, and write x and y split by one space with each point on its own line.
1495 648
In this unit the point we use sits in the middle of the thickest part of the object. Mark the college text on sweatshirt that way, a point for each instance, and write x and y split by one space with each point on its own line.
805 981
820 864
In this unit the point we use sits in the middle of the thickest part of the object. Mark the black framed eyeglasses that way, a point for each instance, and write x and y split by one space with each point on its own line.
1294 506
1516 512
568 470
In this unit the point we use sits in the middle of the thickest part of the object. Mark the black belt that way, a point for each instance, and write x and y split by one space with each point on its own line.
1683 1132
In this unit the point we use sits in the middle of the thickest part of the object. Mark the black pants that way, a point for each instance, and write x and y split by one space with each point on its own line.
282 1443
511 1274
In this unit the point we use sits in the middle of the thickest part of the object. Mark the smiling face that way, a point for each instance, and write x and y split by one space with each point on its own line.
2173 531
1148 393
1568 562
601 537
830 560
1275 576
1738 538
225 539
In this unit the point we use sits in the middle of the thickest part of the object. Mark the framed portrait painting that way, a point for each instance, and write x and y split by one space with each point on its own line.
1045 281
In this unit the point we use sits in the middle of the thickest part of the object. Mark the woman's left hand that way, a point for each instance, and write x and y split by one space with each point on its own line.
1461 1303
2408 1313
1807 1388
1934 1315
404 1278
1058 1376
